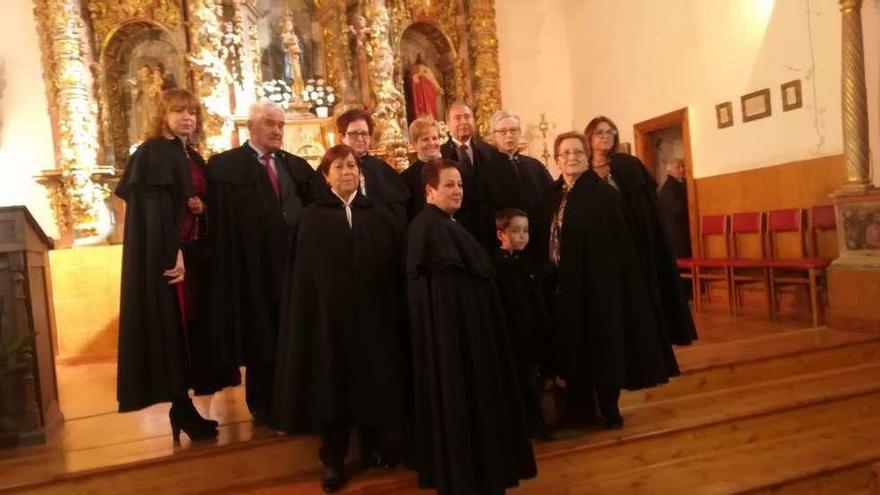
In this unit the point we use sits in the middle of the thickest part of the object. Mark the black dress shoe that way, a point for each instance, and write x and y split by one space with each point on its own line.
377 459
332 480
544 433
614 422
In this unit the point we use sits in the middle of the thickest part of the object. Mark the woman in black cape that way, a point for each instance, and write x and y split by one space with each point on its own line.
639 192
607 336
162 342
339 349
471 435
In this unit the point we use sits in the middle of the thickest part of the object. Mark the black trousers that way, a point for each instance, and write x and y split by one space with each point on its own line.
583 397
531 393
334 441
259 382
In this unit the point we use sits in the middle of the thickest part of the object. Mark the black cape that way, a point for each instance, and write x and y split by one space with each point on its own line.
339 348
520 284
606 323
386 188
670 304
153 364
673 204
252 232
471 434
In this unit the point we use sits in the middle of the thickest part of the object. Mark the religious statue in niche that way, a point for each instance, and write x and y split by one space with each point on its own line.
428 70
153 66
287 41
424 89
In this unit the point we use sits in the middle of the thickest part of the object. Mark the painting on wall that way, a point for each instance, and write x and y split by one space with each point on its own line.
756 105
791 95
724 114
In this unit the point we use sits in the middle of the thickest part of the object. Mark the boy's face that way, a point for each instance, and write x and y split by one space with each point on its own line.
516 236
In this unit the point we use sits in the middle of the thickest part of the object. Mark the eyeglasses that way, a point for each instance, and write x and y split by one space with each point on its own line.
575 154
507 131
605 132
357 134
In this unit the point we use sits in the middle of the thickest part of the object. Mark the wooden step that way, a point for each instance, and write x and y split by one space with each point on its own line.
677 429
746 469
852 481
875 487
735 366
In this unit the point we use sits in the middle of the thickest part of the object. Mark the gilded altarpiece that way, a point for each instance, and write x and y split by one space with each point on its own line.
107 61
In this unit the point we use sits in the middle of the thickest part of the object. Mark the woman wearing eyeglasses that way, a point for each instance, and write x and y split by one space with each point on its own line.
379 181
607 338
638 189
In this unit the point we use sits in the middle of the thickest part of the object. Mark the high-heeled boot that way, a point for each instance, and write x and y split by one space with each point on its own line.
189 406
183 416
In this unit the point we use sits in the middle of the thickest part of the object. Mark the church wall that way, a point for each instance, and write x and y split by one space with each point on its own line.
643 59
536 76
26 145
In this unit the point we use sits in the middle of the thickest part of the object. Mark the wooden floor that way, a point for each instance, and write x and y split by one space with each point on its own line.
760 407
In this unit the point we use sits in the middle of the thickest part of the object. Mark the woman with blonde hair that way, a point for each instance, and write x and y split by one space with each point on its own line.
162 342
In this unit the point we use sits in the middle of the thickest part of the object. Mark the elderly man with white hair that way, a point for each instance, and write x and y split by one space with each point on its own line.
257 195
531 175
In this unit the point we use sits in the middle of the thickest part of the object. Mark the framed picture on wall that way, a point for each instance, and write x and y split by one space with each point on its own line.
791 95
756 105
724 114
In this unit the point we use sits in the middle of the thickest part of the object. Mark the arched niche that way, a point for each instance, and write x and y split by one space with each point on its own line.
139 61
428 42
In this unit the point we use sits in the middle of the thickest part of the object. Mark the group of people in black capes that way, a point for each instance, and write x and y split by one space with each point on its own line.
428 309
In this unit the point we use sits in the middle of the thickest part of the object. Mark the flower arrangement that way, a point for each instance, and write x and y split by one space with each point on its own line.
318 94
276 90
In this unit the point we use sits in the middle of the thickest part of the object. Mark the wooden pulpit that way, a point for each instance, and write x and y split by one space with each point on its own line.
28 387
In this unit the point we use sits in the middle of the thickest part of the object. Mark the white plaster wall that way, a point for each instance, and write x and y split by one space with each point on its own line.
26 145
536 78
638 59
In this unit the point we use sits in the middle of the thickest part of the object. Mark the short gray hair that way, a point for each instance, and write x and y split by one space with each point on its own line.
501 115
260 107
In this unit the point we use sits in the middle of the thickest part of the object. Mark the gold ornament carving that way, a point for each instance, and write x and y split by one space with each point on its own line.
210 75
484 60
108 15
256 66
390 105
76 187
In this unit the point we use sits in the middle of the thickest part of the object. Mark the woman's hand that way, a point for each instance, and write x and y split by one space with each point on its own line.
176 274
196 205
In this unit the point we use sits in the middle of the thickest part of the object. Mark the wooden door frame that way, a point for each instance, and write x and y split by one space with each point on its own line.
642 140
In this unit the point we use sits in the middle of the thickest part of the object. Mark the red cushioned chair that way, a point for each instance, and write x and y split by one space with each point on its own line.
820 218
748 268
704 270
803 269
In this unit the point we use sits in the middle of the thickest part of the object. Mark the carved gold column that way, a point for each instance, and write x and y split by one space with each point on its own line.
78 199
211 77
389 101
484 56
854 100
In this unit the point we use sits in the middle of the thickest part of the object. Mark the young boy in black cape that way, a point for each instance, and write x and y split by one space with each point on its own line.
520 287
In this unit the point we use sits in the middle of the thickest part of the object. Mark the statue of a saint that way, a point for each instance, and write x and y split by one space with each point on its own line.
293 47
425 89
146 87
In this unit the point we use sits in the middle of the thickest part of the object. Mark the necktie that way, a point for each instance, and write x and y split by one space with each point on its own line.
514 163
273 175
464 159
